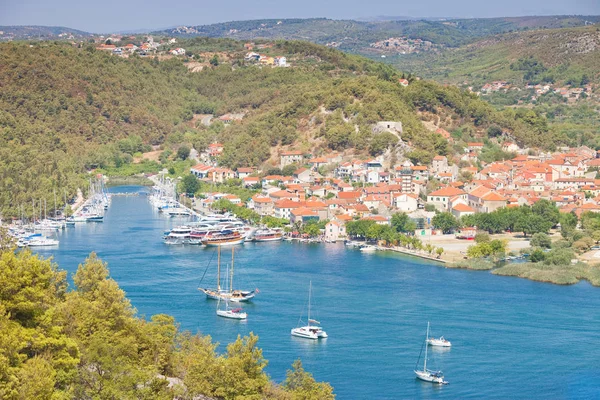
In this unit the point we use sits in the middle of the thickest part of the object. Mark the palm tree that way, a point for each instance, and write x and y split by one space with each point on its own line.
439 251
429 248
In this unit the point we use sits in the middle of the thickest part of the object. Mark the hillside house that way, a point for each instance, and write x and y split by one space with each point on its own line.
406 202
201 171
441 198
485 200
220 175
263 205
474 147
178 52
290 157
243 172
215 149
461 210
303 215
250 181
439 164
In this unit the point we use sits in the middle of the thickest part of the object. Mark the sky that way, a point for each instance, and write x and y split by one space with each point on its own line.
120 15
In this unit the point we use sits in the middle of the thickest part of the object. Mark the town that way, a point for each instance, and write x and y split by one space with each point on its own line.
336 190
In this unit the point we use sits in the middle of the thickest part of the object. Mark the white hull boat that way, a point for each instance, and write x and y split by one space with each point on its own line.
42 242
441 342
231 313
425 374
431 376
231 295
309 331
237 296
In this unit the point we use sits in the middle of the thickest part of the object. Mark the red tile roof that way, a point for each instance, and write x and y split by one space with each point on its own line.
447 192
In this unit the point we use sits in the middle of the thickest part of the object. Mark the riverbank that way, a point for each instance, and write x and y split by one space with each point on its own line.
412 253
557 274
140 180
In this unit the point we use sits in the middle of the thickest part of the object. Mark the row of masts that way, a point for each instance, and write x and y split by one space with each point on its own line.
230 277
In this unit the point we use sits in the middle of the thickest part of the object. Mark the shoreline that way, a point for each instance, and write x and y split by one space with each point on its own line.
117 180
410 253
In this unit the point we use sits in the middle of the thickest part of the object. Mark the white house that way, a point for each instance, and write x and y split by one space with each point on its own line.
406 202
335 230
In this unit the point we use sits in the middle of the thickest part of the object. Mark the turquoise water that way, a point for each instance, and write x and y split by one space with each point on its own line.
512 338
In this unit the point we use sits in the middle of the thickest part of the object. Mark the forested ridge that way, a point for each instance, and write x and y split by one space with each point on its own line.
88 343
65 110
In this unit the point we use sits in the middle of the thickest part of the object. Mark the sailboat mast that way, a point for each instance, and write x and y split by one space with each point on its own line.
426 336
231 277
309 294
219 268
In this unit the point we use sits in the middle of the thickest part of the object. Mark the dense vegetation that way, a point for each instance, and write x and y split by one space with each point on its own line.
66 110
355 36
87 343
561 56
548 259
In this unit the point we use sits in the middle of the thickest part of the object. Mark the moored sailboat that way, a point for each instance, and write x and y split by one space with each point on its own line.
227 312
224 294
312 330
425 374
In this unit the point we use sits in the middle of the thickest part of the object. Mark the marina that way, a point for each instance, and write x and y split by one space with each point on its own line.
375 306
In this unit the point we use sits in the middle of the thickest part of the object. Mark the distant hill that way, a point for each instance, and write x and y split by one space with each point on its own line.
33 32
560 55
356 36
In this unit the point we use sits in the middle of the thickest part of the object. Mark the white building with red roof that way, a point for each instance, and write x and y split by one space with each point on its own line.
441 197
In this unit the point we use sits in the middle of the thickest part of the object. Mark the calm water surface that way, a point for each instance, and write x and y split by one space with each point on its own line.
511 338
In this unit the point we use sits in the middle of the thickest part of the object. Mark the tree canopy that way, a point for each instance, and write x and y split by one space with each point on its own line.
89 343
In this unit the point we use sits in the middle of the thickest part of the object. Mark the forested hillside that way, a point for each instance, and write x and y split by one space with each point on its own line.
88 343
562 56
65 110
356 36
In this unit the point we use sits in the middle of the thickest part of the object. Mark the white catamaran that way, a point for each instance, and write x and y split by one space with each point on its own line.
309 331
425 374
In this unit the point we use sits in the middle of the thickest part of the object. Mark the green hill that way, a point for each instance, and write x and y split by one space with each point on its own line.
565 56
36 32
357 36
65 110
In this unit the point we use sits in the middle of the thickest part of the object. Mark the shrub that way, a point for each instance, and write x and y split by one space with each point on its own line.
541 240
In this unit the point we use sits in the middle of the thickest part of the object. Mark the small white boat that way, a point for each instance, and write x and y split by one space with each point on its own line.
178 235
178 211
425 374
231 313
439 342
42 242
309 331
368 249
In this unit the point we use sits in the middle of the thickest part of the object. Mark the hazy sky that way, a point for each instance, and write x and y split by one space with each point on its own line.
118 15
